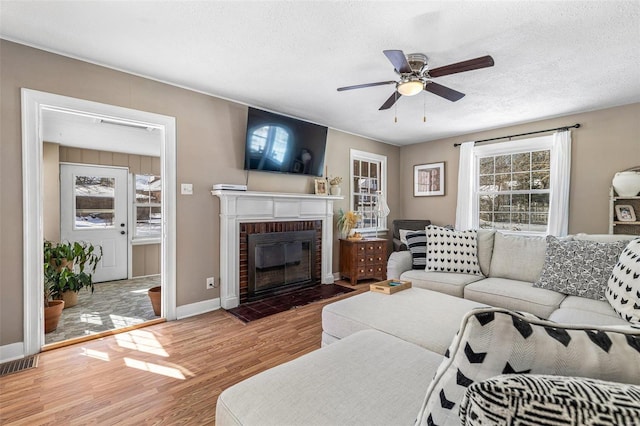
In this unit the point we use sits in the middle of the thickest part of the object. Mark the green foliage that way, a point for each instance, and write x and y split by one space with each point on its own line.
69 267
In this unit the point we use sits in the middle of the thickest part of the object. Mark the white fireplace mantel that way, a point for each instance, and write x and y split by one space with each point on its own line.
248 206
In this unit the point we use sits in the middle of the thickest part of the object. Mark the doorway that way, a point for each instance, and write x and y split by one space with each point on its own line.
94 209
35 107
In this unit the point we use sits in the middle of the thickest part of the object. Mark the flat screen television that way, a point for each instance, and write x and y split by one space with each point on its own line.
276 143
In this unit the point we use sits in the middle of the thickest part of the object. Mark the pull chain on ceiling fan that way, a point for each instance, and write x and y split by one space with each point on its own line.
415 76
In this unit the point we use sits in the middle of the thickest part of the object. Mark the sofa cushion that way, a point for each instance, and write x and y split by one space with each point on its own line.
517 257
417 243
335 385
452 251
494 341
485 249
520 398
516 295
580 310
623 287
585 317
444 282
426 318
579 267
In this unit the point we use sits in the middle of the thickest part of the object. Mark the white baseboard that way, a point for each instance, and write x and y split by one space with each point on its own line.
11 352
198 308
336 276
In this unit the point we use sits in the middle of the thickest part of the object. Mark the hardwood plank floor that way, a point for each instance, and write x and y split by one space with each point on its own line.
164 374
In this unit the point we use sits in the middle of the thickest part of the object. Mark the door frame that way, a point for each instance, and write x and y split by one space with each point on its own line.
33 104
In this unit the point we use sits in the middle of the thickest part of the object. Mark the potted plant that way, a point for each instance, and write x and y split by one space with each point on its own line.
68 267
334 185
52 309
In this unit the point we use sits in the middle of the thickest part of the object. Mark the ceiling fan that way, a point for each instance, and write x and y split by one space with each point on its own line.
415 76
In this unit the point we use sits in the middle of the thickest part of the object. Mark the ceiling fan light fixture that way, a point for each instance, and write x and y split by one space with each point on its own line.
410 87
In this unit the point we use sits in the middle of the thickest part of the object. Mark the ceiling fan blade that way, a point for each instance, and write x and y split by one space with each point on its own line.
398 59
445 92
469 65
389 102
360 86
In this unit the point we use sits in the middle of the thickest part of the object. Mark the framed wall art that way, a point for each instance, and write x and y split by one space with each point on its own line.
321 186
428 179
625 213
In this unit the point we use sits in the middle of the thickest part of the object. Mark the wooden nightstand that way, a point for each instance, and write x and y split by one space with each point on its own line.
360 259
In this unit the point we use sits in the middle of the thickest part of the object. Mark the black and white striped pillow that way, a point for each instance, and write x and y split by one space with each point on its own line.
417 243
559 400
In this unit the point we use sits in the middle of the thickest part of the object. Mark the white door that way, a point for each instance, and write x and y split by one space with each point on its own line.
93 208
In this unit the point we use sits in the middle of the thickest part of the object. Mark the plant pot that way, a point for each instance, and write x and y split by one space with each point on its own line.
155 294
335 190
70 298
52 315
627 184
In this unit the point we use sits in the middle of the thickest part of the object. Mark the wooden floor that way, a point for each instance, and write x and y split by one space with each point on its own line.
165 374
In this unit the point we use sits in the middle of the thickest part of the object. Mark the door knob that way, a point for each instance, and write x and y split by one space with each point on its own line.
122 232
122 225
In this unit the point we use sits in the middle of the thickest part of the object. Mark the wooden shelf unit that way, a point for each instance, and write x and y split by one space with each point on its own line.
361 259
621 227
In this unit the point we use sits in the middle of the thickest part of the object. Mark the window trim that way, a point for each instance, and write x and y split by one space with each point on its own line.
540 143
355 154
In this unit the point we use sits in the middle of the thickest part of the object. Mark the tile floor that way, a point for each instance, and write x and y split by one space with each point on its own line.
113 304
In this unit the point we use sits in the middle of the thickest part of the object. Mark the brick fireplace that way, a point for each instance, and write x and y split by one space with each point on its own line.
278 255
250 212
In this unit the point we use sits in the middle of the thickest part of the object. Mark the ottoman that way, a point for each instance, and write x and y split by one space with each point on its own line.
427 318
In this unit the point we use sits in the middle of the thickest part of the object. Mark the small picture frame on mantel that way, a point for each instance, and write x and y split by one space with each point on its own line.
320 186
625 213
428 179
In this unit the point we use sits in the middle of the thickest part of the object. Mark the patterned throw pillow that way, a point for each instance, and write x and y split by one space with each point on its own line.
452 251
579 268
623 288
494 341
525 399
417 243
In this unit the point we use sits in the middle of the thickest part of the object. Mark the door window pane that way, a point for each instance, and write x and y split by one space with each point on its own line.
94 202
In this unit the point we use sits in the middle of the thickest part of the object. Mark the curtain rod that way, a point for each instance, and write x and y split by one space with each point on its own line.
575 126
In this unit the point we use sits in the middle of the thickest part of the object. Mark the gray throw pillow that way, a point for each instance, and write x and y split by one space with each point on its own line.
579 268
417 243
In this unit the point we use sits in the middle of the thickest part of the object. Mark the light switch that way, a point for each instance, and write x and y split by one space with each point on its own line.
186 189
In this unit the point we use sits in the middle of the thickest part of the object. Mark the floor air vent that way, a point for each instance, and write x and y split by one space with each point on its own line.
18 365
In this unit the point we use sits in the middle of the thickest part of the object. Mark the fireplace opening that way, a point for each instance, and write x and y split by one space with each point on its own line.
280 260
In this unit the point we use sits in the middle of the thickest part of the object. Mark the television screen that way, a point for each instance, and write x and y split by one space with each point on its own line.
276 143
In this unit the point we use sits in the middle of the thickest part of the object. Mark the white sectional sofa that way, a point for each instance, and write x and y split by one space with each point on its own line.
442 353
510 265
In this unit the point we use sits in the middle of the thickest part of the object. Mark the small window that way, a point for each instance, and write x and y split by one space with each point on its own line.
368 184
147 206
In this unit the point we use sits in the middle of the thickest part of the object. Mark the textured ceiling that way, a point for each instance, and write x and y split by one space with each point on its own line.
551 58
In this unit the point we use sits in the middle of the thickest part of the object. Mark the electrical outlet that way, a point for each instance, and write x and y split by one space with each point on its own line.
211 282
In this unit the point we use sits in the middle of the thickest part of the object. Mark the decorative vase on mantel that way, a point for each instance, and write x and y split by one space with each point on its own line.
335 190
627 183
